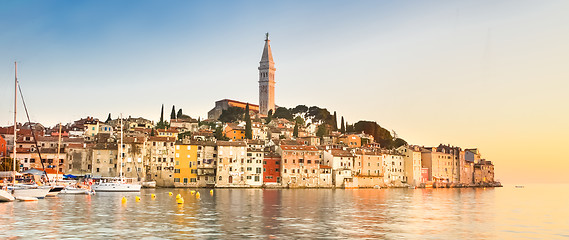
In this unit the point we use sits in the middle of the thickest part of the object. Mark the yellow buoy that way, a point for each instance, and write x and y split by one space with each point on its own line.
197 195
180 200
137 198
192 192
211 192
170 193
123 200
178 196
153 195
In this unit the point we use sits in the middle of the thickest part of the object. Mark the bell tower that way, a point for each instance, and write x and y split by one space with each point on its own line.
267 79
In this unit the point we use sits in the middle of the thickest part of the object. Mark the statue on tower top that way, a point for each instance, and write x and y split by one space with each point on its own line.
267 36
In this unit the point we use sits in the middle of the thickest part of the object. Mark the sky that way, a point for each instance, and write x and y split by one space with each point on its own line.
491 75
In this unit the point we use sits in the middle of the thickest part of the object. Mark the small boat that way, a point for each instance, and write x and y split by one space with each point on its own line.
27 199
25 191
118 185
519 186
150 184
6 196
74 190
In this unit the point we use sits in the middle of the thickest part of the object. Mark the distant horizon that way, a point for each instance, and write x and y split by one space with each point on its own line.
484 74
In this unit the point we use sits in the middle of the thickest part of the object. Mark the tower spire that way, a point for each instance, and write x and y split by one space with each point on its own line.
266 79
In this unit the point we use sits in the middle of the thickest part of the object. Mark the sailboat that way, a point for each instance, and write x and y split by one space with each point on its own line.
120 183
24 192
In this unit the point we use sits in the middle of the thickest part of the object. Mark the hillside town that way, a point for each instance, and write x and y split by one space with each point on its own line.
244 145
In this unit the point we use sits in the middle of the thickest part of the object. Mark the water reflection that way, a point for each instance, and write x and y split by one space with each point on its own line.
504 213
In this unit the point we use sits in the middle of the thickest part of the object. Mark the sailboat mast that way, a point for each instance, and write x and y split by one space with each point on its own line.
58 149
121 149
15 110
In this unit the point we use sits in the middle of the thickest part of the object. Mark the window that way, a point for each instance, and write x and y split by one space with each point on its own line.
256 178
248 177
177 162
176 179
185 180
258 170
193 180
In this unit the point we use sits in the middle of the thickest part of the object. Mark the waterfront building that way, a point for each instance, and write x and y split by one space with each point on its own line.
300 165
325 176
231 163
439 163
394 167
186 165
267 79
78 160
160 167
412 161
105 160
271 169
29 158
133 159
467 166
342 163
368 167
254 167
484 172
206 157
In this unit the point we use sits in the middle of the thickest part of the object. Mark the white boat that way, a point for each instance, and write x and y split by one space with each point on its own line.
29 191
150 184
6 196
74 190
116 186
119 184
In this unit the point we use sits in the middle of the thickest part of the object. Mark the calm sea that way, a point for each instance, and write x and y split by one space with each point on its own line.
533 212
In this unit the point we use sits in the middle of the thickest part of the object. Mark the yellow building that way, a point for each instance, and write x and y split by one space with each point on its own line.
186 165
234 131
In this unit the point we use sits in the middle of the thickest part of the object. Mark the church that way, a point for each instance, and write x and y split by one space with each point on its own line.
266 88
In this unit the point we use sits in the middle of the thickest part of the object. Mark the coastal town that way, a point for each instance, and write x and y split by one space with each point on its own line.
242 145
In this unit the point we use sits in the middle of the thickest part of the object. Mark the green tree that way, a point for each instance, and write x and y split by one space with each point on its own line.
295 131
173 113
282 112
232 114
219 134
108 119
152 133
342 126
270 116
322 131
398 142
199 121
162 124
180 114
248 129
300 121
299 109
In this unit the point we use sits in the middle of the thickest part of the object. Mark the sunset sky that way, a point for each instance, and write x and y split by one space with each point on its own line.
486 74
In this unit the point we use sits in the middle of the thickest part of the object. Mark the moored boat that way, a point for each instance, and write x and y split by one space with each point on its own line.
5 196
26 191
149 184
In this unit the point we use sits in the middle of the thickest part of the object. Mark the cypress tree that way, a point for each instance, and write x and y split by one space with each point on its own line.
161 115
248 129
342 126
270 116
173 114
179 115
335 124
295 131
108 118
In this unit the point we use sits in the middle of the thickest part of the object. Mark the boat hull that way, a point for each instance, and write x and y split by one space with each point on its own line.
54 191
116 187
39 192
6 196
151 184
